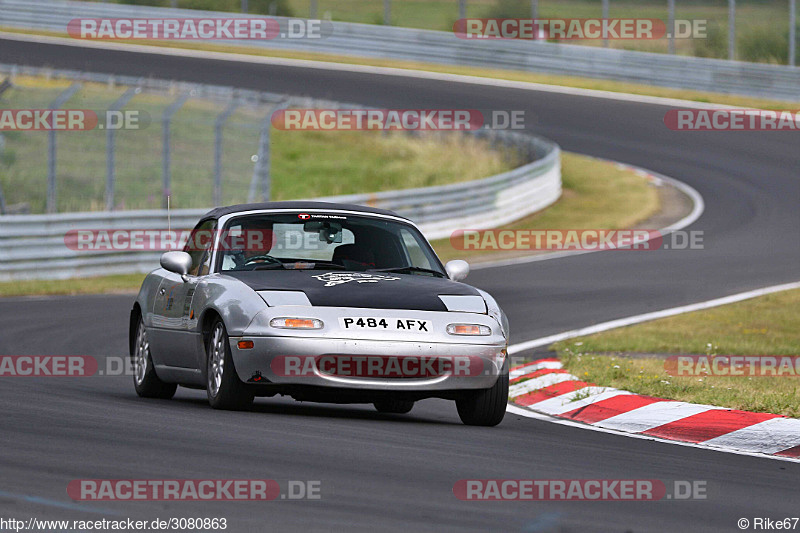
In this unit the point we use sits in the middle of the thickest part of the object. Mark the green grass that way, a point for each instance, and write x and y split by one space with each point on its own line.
118 283
596 194
305 164
767 325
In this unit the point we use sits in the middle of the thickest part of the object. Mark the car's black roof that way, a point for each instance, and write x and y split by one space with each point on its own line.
297 204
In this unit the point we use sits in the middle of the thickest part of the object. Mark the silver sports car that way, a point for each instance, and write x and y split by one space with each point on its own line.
322 302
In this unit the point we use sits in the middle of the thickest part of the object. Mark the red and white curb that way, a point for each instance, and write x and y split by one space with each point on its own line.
545 387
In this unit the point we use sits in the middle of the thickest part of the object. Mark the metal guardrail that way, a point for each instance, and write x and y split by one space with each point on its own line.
34 246
715 75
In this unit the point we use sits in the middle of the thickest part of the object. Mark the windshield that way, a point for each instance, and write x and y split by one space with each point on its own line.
324 242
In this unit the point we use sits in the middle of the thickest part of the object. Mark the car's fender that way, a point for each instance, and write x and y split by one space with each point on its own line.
494 311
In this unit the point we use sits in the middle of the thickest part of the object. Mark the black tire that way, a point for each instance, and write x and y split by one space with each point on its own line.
485 407
145 380
397 407
225 389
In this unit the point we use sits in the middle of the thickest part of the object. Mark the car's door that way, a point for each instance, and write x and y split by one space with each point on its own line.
172 311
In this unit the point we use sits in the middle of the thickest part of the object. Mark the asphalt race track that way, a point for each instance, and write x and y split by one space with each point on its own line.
397 472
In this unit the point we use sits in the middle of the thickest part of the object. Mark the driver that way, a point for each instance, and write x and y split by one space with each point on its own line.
254 242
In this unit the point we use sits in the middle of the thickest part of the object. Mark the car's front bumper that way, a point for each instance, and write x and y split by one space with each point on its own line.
478 360
267 360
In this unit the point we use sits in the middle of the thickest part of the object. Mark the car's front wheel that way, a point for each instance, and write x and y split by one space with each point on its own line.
145 380
485 407
225 389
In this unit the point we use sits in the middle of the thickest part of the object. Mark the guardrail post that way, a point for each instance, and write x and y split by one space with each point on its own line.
462 9
731 29
605 16
219 123
671 25
312 10
51 147
121 102
792 32
6 85
2 198
387 12
166 120
534 9
261 171
244 6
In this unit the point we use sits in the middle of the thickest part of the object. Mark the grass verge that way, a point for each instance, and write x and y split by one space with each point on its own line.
767 325
118 283
596 194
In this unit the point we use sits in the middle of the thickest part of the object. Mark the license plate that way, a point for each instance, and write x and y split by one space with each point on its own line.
409 325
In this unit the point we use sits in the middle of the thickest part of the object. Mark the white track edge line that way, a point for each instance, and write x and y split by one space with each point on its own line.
637 319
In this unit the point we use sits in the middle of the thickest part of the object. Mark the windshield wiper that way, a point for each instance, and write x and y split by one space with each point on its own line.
409 269
267 266
303 265
326 265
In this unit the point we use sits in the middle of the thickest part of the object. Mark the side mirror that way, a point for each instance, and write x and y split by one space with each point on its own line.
177 262
457 269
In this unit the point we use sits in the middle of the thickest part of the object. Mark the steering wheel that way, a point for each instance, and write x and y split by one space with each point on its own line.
262 257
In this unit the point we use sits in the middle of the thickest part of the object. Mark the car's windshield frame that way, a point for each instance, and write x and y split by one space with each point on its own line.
225 222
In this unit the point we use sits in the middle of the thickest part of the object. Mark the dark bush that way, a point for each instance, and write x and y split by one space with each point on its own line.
512 9
714 45
764 45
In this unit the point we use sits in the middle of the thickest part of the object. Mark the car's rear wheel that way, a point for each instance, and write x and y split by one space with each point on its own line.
485 407
225 389
145 380
397 407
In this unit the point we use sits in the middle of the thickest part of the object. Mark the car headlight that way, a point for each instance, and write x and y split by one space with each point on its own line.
468 329
296 323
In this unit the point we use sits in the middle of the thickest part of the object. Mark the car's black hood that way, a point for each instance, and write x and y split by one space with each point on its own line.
358 289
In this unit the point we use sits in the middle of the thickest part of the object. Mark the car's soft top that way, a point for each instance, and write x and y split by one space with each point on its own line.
300 205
